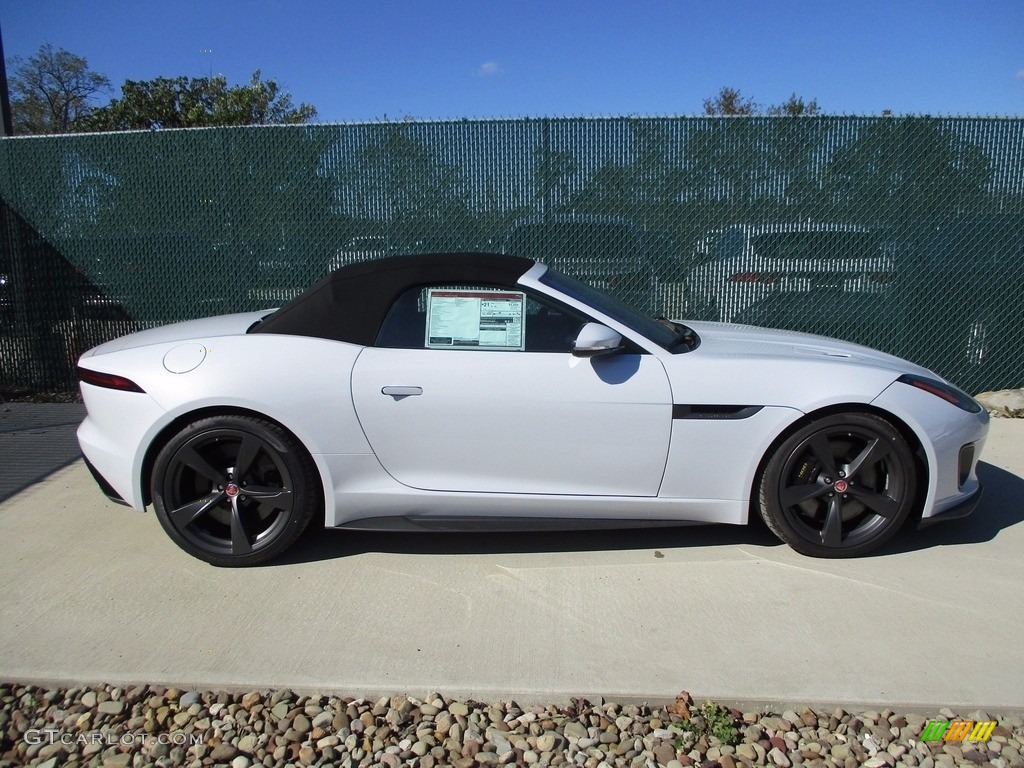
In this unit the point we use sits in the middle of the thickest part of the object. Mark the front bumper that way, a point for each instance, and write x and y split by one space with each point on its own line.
944 431
963 509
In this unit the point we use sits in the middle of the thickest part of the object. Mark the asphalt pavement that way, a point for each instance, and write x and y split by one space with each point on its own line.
35 441
94 592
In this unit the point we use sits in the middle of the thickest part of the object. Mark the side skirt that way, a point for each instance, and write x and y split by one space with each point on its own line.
505 524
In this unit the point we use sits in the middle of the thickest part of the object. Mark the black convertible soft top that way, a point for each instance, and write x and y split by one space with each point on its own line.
350 303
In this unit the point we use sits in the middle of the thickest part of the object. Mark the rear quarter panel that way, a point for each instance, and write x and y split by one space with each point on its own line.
301 383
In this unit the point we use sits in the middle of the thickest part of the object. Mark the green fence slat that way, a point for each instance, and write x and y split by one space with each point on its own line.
902 233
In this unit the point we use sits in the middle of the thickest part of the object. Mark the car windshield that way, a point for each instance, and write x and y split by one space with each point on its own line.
671 336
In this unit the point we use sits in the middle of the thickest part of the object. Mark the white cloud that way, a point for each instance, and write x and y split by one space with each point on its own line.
489 68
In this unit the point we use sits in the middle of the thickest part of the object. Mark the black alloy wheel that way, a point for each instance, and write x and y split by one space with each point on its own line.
840 486
234 490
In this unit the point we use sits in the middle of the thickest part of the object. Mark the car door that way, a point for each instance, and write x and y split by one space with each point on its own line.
526 418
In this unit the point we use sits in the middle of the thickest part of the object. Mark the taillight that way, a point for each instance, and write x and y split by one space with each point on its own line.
107 380
754 277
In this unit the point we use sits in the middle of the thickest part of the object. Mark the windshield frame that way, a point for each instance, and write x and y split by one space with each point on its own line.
665 334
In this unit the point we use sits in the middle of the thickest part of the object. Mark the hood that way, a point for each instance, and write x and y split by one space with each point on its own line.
747 341
744 365
204 328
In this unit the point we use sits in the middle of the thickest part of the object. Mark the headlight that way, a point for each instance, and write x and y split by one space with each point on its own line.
947 392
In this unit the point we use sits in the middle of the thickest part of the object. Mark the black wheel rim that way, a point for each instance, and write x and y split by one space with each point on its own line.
228 492
842 486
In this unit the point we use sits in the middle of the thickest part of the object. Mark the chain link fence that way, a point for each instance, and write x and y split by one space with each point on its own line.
905 234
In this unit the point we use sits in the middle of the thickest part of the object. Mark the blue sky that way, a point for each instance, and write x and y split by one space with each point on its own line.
358 60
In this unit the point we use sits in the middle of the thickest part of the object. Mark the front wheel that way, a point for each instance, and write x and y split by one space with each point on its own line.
840 486
234 490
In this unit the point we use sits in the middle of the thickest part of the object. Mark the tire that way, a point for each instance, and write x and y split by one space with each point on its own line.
232 515
840 486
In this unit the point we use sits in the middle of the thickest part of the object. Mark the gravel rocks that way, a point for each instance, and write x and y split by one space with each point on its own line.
153 726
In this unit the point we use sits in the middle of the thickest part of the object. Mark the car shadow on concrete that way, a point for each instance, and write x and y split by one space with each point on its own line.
36 441
1000 508
328 544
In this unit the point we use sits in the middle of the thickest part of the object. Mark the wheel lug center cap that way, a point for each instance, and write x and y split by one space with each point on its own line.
841 486
232 490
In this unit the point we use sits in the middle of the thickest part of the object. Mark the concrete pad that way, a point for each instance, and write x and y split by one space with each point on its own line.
91 592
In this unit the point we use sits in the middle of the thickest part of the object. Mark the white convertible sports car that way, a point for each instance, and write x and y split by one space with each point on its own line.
475 391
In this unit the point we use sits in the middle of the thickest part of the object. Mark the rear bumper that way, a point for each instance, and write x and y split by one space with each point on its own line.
112 435
963 509
107 488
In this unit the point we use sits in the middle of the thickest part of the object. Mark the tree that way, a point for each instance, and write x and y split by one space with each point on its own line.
646 188
551 172
52 91
401 182
901 171
185 102
756 168
795 106
729 101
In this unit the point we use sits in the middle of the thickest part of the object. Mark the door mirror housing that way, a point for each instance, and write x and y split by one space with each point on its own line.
595 339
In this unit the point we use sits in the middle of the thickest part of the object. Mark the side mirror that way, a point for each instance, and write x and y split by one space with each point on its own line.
595 339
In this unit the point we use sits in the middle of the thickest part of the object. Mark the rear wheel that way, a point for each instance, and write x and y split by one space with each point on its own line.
840 486
234 490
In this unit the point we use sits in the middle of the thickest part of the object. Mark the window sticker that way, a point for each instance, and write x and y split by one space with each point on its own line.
475 319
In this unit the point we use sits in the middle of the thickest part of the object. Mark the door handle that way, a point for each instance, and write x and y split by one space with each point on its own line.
402 391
